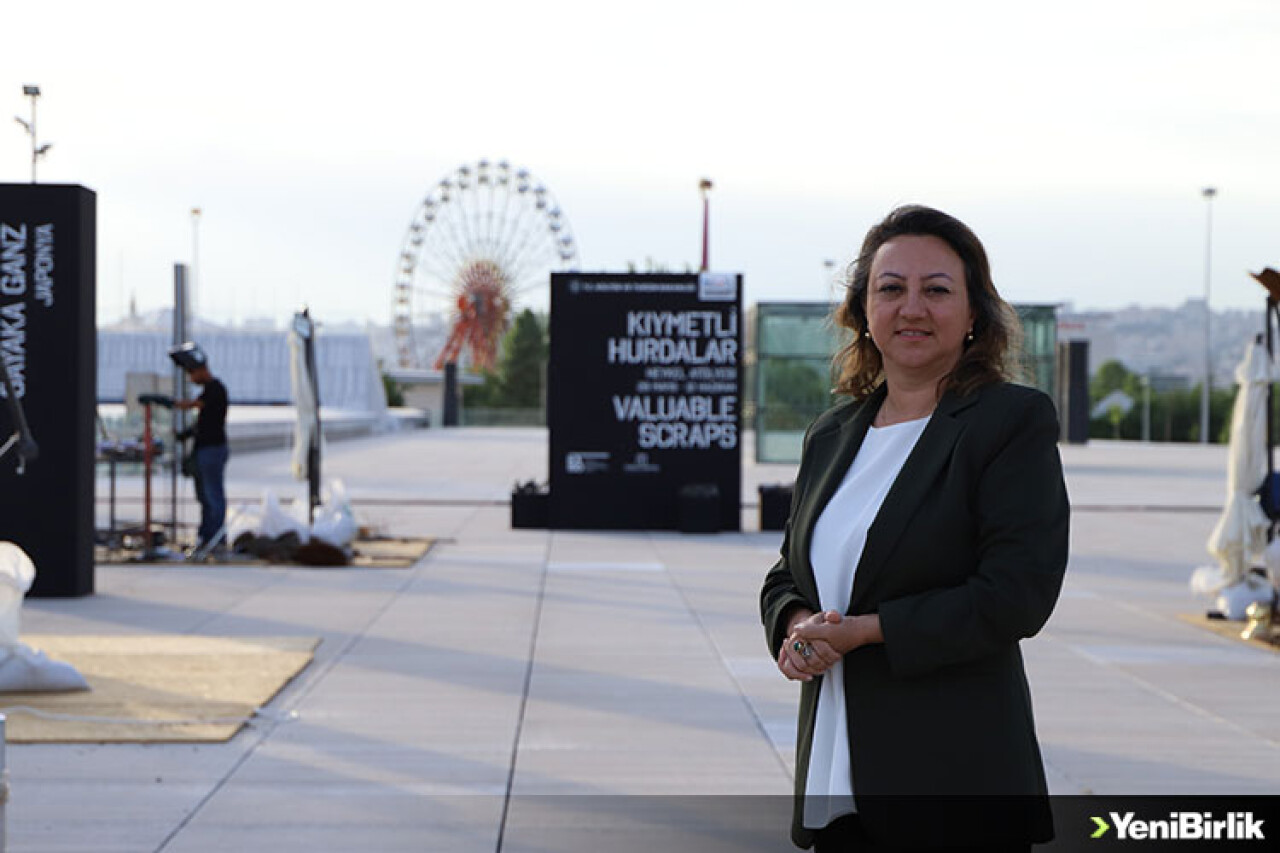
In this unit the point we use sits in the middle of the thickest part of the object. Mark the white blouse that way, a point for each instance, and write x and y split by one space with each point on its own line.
838 539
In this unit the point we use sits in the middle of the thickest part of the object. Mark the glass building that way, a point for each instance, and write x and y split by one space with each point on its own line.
790 346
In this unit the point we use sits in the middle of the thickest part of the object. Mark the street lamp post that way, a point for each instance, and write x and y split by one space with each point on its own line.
195 263
704 186
37 150
1146 406
1208 193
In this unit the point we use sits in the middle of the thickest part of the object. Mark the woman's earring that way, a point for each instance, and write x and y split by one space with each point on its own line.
867 334
969 337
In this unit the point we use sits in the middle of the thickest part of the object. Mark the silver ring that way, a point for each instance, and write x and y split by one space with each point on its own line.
806 651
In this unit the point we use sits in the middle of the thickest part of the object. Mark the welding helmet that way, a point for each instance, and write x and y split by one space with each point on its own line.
188 356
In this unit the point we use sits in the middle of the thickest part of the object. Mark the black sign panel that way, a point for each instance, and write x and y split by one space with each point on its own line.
48 340
643 399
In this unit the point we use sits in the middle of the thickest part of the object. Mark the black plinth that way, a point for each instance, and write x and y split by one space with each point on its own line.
48 339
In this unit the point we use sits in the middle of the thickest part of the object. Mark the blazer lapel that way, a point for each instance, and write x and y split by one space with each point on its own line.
832 453
919 474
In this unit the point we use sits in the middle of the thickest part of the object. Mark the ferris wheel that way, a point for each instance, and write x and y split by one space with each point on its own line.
484 238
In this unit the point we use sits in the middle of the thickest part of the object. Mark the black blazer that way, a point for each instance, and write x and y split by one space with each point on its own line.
965 558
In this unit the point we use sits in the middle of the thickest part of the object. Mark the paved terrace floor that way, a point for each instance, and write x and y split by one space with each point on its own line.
447 700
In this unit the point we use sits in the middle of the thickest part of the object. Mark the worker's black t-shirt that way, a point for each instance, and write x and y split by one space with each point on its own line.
211 424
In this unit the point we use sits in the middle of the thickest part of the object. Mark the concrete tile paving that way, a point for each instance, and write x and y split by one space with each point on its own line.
550 691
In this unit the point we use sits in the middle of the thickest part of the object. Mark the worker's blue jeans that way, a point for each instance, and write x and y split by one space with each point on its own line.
211 468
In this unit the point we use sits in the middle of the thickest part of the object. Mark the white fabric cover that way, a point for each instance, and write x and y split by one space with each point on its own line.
1241 532
22 668
1234 600
335 521
304 400
274 520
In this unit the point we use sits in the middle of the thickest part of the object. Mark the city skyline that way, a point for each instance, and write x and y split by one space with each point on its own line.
1076 143
1145 338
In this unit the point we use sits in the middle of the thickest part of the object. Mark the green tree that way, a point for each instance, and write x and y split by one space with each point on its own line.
523 367
795 392
486 395
395 394
520 377
1116 414
1175 415
1114 376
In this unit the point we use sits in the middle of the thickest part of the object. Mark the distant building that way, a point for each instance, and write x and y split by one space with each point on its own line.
788 368
1165 342
1094 327
424 389
253 365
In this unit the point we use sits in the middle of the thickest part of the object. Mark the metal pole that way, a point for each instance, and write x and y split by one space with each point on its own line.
1146 408
313 452
449 405
705 186
828 278
146 480
195 263
179 417
35 148
1208 193
111 512
4 787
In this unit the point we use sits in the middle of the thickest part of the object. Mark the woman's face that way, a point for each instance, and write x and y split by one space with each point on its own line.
918 307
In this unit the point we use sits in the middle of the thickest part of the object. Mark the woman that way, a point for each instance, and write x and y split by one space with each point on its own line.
928 535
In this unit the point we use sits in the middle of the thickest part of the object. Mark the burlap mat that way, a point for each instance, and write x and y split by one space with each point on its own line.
389 553
1233 629
158 688
374 553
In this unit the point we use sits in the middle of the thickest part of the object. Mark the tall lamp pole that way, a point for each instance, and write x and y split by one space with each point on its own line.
195 263
1208 193
704 186
37 150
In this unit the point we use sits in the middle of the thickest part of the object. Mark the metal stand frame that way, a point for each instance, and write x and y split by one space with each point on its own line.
21 439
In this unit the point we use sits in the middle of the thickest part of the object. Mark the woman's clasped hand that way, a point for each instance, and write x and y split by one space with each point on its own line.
817 641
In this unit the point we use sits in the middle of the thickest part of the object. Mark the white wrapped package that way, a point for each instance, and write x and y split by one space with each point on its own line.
335 522
1234 600
275 520
23 668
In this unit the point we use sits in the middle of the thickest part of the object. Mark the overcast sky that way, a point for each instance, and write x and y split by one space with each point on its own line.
1074 138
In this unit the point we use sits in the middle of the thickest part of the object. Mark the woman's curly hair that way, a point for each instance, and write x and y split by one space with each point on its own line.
989 357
